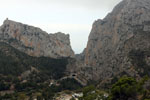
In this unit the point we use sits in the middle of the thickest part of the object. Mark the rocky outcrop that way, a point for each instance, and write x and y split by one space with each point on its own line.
34 41
120 43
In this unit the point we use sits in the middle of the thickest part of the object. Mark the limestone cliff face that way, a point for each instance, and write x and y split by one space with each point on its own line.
117 43
34 41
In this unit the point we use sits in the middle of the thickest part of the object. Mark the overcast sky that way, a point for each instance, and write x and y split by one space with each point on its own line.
74 17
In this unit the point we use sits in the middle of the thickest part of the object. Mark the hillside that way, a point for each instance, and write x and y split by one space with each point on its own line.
14 62
22 74
119 44
115 65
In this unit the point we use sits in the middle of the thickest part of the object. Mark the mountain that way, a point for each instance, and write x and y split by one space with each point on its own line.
34 41
16 63
23 76
35 63
119 44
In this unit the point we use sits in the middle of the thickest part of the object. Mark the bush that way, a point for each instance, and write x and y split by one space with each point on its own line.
124 88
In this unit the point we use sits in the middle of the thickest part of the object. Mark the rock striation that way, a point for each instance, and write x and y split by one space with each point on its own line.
34 41
120 43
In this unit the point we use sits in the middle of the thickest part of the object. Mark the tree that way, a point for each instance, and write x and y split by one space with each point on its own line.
22 96
124 88
88 89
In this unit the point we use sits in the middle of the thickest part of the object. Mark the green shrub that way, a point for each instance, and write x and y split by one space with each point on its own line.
124 88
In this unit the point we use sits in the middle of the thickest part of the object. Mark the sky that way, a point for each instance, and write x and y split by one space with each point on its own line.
73 17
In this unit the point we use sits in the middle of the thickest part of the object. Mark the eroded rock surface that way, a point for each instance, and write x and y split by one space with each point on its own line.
34 41
118 43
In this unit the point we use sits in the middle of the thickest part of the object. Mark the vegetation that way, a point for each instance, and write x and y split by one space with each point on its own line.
92 93
128 88
70 84
124 88
14 62
23 76
43 90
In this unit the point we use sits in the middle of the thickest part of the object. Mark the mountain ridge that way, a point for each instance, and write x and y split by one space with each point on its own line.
34 41
107 54
113 49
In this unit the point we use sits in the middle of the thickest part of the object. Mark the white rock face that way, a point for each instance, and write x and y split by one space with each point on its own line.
34 41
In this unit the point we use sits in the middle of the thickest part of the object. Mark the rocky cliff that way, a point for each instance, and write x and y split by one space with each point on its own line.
34 41
120 43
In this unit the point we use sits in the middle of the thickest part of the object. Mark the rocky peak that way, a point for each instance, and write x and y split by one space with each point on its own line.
112 39
34 41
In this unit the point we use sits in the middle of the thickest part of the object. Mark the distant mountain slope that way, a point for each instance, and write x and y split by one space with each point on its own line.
23 76
13 62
